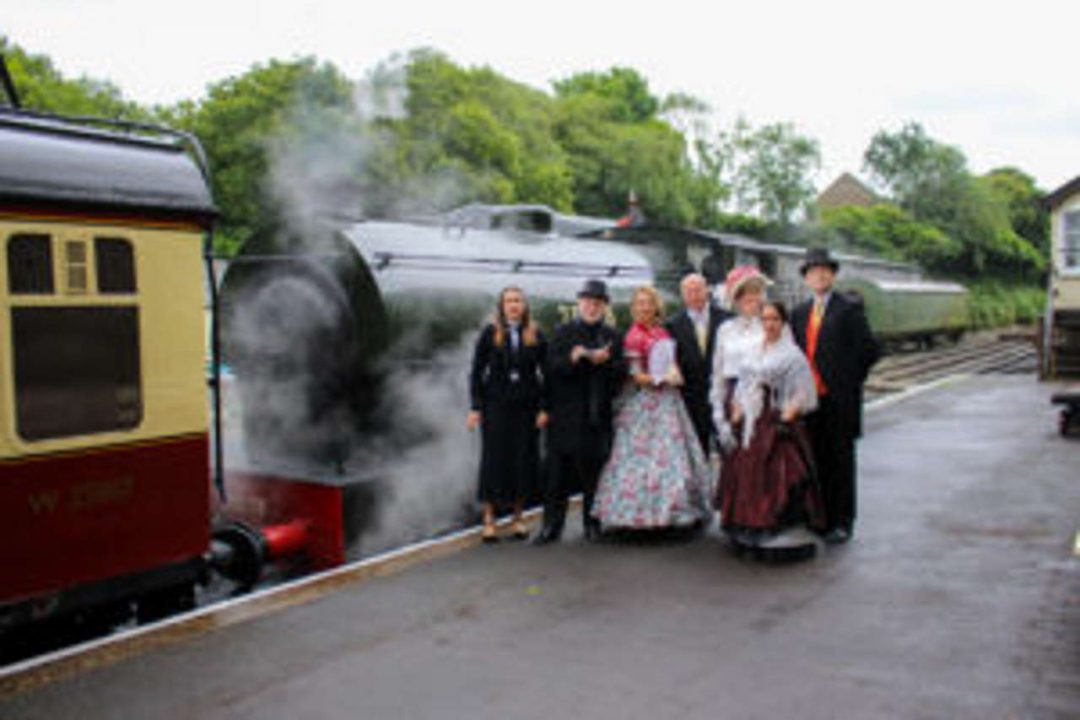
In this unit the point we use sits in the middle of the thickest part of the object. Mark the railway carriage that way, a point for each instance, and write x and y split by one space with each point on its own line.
902 305
104 440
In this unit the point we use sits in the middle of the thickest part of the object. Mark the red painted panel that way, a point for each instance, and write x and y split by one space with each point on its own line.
262 499
84 516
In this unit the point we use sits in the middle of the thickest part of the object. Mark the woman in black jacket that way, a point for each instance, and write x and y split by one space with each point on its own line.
507 404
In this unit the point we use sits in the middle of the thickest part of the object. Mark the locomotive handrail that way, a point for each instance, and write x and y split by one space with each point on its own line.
517 265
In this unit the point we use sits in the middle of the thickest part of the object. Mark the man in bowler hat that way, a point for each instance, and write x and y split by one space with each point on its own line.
832 330
585 370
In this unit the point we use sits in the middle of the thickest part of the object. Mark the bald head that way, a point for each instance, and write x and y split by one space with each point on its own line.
695 291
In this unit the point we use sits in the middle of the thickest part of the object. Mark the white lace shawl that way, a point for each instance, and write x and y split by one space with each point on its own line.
738 340
781 367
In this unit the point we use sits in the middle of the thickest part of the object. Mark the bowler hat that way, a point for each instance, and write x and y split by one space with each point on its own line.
818 257
594 289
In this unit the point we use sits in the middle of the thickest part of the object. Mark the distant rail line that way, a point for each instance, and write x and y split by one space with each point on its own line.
1007 352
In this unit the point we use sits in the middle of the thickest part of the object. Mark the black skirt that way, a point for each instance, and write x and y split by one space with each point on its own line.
510 459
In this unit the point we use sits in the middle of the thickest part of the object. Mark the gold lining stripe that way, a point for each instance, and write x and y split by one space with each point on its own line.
111 447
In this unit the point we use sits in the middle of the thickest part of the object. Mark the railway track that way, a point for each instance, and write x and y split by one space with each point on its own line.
981 354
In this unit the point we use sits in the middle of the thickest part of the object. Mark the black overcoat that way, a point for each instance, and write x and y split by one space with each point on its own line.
696 368
506 387
580 394
846 350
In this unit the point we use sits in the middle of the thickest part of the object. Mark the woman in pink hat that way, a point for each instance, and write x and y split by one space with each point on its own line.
767 493
737 341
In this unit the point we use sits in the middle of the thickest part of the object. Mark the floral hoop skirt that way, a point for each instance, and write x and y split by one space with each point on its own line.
657 475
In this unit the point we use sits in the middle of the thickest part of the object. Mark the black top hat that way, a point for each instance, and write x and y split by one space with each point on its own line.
817 256
594 289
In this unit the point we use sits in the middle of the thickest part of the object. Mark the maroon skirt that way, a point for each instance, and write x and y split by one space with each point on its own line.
770 485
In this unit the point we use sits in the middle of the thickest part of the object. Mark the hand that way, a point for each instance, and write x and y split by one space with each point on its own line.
577 353
601 355
472 420
726 437
736 412
542 420
643 379
674 377
790 413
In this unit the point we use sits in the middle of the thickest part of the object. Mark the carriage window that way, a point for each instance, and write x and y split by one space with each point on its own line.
1070 240
76 370
29 260
115 262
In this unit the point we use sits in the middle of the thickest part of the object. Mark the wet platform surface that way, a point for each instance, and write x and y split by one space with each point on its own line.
958 598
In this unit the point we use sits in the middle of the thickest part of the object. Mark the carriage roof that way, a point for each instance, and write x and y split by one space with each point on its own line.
46 160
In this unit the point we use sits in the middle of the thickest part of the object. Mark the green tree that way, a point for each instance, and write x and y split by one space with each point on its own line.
1017 191
492 134
235 122
43 88
931 181
772 166
626 90
913 167
616 140
890 232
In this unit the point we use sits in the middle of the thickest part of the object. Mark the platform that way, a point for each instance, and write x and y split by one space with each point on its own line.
959 597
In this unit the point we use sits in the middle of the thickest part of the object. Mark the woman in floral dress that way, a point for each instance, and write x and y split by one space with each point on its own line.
657 475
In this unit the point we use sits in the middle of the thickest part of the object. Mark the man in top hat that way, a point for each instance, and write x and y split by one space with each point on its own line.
585 370
832 330
694 331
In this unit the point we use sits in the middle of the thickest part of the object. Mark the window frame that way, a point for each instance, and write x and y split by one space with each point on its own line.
1068 249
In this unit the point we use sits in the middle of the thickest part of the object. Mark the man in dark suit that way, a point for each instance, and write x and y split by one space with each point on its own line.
832 330
694 331
585 370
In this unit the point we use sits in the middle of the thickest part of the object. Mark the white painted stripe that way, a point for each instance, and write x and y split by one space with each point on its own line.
915 390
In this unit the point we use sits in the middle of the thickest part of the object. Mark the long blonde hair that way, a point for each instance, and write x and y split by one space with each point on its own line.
657 301
528 327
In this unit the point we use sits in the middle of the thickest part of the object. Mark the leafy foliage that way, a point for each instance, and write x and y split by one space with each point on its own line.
888 231
930 180
291 140
41 87
236 122
772 165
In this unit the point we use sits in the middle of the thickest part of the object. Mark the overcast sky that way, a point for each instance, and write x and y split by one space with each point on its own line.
1000 83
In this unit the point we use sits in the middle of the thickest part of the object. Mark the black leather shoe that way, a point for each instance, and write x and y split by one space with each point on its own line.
837 536
593 532
547 535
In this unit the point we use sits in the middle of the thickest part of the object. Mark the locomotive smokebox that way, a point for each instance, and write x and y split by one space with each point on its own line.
299 334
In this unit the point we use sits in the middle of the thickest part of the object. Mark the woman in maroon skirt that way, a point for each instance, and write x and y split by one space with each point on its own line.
768 493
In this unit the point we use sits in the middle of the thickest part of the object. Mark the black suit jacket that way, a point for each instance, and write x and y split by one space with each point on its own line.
580 395
696 368
846 350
